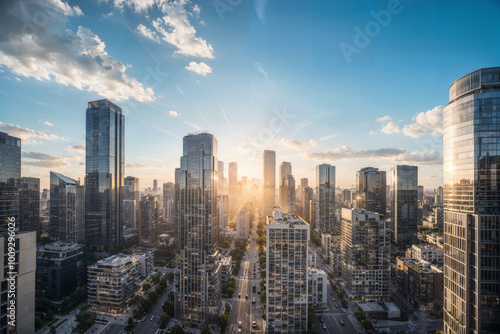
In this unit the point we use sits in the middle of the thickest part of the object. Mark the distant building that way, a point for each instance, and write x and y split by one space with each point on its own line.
29 204
287 240
169 202
226 268
60 269
346 197
148 224
365 252
232 174
317 283
242 224
269 185
425 252
130 214
131 198
113 280
325 194
436 239
376 310
307 197
10 175
420 193
370 190
223 209
420 282
404 203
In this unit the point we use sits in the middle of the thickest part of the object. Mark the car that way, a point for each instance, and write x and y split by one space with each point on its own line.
239 295
152 317
254 324
239 331
331 292
144 318
253 301
333 299
246 297
342 322
320 318
337 305
324 326
239 324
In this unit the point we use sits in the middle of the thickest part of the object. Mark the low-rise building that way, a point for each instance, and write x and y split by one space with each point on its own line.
420 282
426 252
436 239
317 286
226 268
60 269
113 280
385 310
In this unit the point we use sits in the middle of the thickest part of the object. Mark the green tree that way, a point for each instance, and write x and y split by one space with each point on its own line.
163 321
49 315
146 287
206 331
130 321
222 321
85 319
170 277
177 329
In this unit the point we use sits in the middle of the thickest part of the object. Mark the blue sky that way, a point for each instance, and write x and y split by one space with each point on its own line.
257 74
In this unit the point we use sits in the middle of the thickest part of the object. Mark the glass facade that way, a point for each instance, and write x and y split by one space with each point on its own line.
67 209
232 175
285 170
148 224
198 289
325 193
10 174
371 190
471 124
404 203
105 165
29 204
131 198
269 181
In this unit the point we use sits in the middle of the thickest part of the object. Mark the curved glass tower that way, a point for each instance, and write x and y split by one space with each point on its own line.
472 204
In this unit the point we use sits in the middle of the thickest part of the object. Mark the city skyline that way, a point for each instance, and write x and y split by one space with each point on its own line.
316 87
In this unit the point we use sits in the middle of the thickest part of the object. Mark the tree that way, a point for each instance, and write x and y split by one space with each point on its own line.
170 277
153 297
52 330
163 321
130 321
85 319
206 331
222 321
49 315
177 329
38 322
146 287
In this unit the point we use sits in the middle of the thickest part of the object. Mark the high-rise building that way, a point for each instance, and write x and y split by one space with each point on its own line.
420 193
346 197
471 157
131 198
148 221
304 182
370 190
325 194
221 179
169 202
287 241
29 204
233 186
198 289
289 187
155 186
104 167
44 200
285 170
67 209
404 203
223 210
307 197
243 224
269 181
10 175
365 248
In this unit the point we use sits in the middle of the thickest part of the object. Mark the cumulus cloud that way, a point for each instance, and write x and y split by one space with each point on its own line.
27 136
43 160
421 158
384 119
199 68
414 130
145 32
430 120
173 113
297 145
52 52
77 148
390 128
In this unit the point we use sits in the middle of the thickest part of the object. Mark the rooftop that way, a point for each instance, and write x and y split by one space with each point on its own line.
60 246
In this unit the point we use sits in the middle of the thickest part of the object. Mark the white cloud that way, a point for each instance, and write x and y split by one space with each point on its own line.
27 136
173 113
414 130
372 133
390 128
421 158
67 9
142 30
48 123
384 119
43 160
296 144
432 120
77 148
199 68
260 68
137 5
333 135
196 10
54 53
260 10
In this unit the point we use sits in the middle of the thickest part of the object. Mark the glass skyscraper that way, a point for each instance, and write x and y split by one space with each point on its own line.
269 181
325 194
370 190
10 174
29 204
104 167
198 289
404 203
471 123
232 175
67 209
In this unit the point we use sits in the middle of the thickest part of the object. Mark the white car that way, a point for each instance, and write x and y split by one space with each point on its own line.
239 324
254 324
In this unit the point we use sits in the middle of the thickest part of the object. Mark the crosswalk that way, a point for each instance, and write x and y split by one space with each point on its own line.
415 325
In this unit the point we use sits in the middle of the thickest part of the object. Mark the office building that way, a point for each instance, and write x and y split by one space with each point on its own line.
346 197
285 171
233 186
198 287
287 299
242 224
471 156
223 210
420 192
325 194
10 175
269 181
104 168
29 204
289 187
113 280
307 197
60 269
370 190
226 268
317 284
221 179
425 252
365 249
44 200
148 221
67 209
155 186
404 203
169 202
131 198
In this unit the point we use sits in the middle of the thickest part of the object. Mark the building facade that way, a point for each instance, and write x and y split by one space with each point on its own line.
243 224
269 181
404 208
371 190
10 175
198 287
325 194
29 204
104 169
131 198
148 223
471 163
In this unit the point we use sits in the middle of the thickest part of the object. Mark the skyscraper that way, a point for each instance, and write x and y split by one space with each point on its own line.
370 190
155 186
290 194
221 180
365 249
148 221
104 167
471 124
404 203
168 202
307 197
325 194
233 186
29 204
284 171
287 239
198 259
269 181
131 198
67 209
10 174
